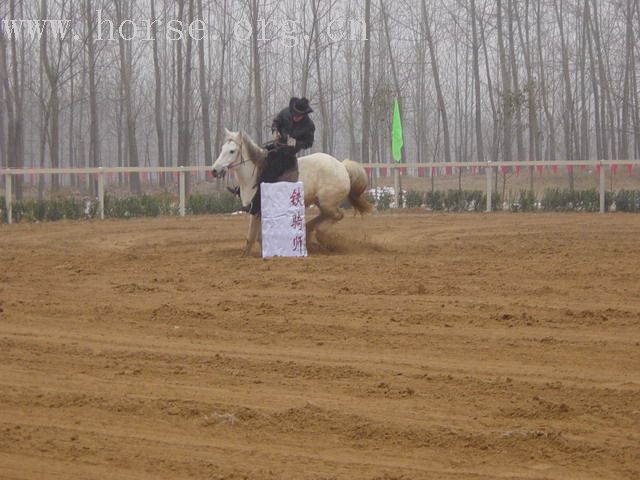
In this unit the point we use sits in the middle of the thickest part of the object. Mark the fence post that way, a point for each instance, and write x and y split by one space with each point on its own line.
603 188
8 198
489 187
397 187
101 193
183 209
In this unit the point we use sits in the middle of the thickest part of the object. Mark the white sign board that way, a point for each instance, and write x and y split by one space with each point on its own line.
283 225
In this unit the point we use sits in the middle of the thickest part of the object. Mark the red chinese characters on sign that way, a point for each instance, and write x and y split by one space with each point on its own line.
297 221
295 200
298 243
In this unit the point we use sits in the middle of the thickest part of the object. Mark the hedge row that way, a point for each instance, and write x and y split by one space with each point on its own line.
564 200
552 200
451 200
127 207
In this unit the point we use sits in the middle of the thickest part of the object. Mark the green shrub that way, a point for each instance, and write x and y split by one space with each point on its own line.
526 201
414 199
496 202
627 201
215 203
435 200
456 201
564 200
383 200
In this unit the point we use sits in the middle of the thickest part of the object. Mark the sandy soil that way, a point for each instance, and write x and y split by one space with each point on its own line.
408 346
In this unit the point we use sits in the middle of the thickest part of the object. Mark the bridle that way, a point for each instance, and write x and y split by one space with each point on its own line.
240 162
237 163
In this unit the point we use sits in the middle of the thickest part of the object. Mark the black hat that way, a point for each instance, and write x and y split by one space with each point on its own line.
299 106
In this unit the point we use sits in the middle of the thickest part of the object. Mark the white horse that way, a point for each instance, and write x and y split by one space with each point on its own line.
327 182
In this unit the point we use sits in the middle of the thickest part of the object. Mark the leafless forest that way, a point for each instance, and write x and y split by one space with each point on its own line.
476 79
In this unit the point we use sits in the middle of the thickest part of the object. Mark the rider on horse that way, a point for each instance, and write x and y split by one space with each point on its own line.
292 131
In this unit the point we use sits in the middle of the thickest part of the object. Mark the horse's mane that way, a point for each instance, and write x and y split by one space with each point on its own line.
255 153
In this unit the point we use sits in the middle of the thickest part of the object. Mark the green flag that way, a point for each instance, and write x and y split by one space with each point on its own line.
397 142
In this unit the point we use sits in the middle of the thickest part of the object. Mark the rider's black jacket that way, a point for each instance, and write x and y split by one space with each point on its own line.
303 131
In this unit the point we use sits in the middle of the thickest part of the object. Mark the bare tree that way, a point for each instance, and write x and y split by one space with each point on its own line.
476 82
159 109
436 78
366 87
204 94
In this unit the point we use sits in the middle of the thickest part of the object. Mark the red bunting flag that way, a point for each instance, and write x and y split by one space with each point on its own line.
504 169
540 169
518 167
630 168
614 169
434 172
583 168
448 171
570 169
598 168
421 172
554 168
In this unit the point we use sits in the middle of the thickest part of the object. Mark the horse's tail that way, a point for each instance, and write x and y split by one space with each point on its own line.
359 183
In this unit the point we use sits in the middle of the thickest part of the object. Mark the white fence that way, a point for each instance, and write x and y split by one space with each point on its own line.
489 167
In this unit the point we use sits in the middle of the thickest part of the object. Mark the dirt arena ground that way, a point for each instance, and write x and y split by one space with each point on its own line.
408 346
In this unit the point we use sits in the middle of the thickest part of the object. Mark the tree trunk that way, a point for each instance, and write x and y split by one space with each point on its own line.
594 83
158 95
436 78
551 155
126 69
185 157
507 106
366 87
16 133
257 74
221 82
94 121
516 102
315 5
476 82
626 90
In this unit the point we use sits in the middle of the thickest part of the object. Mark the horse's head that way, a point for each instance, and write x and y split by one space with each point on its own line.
231 155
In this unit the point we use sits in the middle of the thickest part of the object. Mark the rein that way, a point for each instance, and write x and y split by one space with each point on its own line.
242 161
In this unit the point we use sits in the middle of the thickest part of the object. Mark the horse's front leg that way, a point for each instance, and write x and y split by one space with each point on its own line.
254 230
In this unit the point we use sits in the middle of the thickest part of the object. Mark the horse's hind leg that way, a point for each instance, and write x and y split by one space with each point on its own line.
313 224
333 216
327 217
254 230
